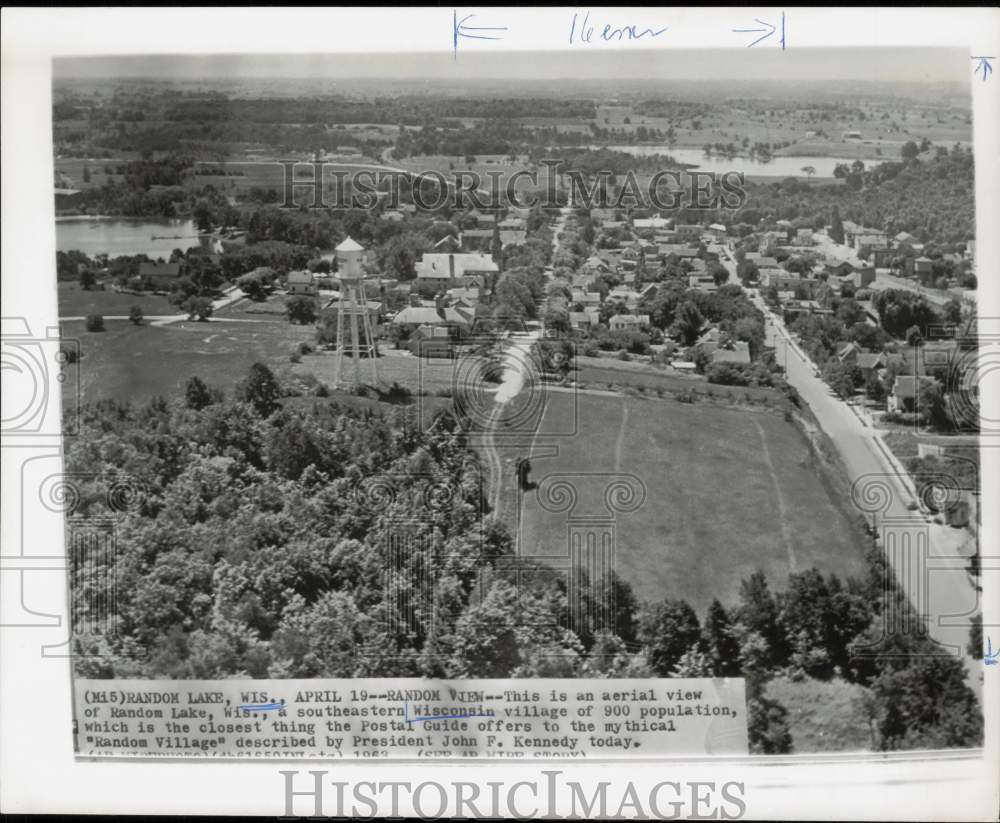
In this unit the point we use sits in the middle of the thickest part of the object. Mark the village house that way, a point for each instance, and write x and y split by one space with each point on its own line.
771 238
922 265
689 232
586 298
677 252
709 340
718 232
583 320
652 223
703 283
849 352
627 322
793 308
512 237
838 268
468 295
622 294
867 243
863 277
786 280
476 240
593 265
301 282
865 360
392 216
410 318
611 257
852 231
736 352
429 340
450 270
512 224
905 389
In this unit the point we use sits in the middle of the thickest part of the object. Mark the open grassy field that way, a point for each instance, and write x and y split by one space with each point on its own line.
128 362
823 716
74 301
728 491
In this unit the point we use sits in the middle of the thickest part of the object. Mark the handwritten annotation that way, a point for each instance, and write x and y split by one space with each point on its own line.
984 65
459 29
585 32
768 30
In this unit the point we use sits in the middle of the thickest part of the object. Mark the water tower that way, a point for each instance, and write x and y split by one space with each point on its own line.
352 309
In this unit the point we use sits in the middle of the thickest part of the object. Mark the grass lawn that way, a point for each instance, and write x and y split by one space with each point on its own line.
429 375
128 362
76 302
728 491
823 716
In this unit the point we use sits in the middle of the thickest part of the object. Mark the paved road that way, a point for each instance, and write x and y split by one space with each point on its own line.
944 595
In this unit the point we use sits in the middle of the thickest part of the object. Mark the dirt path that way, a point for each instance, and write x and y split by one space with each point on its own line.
620 442
779 496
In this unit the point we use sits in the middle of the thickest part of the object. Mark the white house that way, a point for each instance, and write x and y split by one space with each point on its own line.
454 269
627 322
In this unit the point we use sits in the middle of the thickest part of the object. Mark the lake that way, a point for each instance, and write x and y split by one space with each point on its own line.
790 166
119 237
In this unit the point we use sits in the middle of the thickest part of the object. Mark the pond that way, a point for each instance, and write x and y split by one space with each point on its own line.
118 237
790 166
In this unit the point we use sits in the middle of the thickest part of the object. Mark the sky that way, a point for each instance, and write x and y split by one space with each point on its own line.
910 65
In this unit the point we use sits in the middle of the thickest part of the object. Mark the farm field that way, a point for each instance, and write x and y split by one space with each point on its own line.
136 363
728 491
74 301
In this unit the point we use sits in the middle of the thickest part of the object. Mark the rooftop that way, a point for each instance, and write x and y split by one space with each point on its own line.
350 245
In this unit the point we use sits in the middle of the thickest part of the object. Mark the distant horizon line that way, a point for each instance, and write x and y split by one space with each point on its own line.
467 80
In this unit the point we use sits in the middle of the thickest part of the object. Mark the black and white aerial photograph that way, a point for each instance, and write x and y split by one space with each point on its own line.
486 413
631 366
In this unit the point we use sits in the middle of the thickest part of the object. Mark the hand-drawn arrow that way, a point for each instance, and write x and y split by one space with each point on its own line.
984 64
459 29
768 31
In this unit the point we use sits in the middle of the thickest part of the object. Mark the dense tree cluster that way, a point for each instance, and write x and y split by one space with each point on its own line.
929 197
324 541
